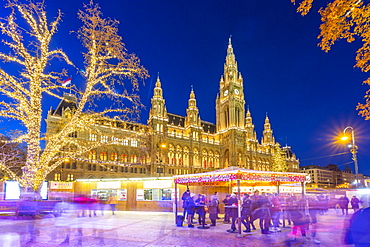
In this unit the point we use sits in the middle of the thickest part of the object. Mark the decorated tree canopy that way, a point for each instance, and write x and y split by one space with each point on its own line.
231 174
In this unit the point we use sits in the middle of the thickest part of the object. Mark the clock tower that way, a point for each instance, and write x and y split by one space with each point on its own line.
230 111
230 101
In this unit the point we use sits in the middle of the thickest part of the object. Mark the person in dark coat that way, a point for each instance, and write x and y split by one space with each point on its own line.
299 222
254 198
355 202
200 204
190 208
227 210
263 213
213 209
343 203
246 212
359 228
233 212
184 198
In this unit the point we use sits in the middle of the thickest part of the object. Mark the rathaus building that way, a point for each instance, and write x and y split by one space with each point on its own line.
171 144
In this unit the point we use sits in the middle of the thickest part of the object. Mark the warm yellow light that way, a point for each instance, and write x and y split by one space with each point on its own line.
163 145
66 159
344 138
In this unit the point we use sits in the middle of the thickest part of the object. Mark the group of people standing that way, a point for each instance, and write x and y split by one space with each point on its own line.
343 202
267 208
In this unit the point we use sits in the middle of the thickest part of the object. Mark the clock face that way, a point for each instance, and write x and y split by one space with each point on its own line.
236 91
226 92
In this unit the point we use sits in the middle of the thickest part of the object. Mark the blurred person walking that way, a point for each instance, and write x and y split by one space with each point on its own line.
112 201
262 212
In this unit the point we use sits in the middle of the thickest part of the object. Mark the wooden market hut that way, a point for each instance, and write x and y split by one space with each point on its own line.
235 176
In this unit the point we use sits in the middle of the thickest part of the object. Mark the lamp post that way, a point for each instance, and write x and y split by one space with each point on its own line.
353 150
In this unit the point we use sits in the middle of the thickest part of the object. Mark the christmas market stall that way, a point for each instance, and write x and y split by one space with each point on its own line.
241 178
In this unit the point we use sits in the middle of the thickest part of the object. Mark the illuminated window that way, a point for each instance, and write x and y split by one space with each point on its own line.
125 142
104 138
93 137
124 157
57 176
92 155
133 158
70 177
115 140
113 156
134 143
103 156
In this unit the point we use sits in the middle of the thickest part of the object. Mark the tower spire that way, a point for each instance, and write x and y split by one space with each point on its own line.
192 112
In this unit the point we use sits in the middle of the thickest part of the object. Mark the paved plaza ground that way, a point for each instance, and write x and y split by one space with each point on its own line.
133 228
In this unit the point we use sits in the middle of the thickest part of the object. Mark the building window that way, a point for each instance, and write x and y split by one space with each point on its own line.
103 156
94 167
92 155
125 142
124 157
70 177
122 169
115 140
74 165
104 138
134 143
133 158
57 176
73 134
89 167
113 156
93 137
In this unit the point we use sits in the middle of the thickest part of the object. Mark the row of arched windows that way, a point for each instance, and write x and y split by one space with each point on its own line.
180 156
115 156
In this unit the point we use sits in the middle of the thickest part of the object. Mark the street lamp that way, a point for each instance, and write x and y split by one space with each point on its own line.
353 149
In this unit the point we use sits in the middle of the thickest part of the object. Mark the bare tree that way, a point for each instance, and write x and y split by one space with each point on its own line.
108 69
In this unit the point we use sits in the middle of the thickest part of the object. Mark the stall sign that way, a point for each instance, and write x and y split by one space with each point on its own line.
122 195
109 185
157 184
139 195
61 185
207 178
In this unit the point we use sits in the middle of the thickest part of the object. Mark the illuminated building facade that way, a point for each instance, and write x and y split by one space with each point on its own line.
171 144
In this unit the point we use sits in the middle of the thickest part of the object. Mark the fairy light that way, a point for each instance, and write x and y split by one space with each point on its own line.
107 63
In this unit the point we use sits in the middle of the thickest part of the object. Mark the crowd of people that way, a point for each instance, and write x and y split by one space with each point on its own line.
266 209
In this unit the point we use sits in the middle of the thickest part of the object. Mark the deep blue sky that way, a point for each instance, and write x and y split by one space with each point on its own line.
309 95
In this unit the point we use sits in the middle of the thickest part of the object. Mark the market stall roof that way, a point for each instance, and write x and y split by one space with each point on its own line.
247 177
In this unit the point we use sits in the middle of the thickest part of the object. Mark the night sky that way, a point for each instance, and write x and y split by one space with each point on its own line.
310 96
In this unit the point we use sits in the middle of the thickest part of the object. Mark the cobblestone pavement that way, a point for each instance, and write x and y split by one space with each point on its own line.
133 228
